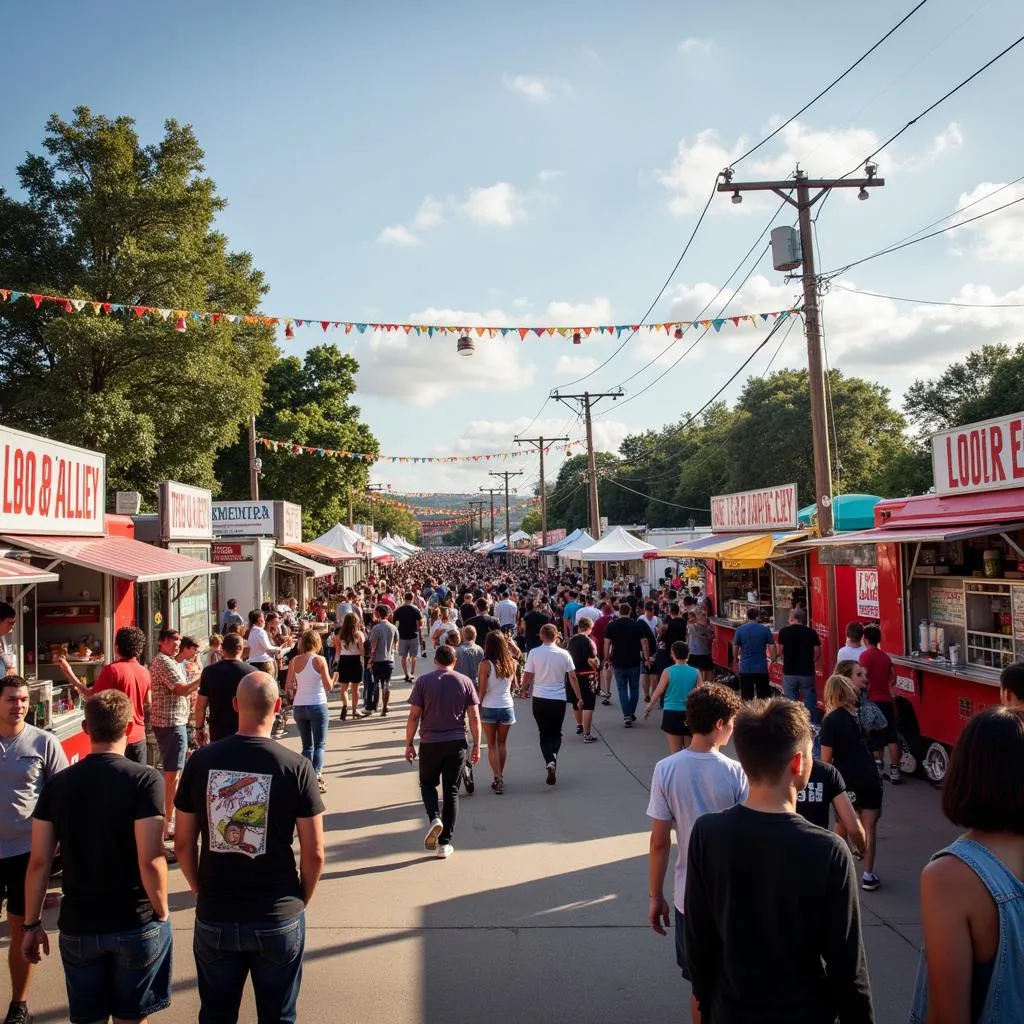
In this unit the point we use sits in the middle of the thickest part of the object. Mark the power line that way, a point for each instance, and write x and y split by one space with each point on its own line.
650 497
932 302
657 298
834 82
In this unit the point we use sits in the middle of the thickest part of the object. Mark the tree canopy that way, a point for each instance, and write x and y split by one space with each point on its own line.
105 217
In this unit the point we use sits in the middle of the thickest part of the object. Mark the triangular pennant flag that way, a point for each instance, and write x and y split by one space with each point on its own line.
79 304
16 295
37 299
523 332
717 324
764 316
325 324
4 294
736 321
68 308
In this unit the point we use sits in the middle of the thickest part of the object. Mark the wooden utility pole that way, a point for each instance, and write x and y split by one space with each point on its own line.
477 507
351 517
506 474
539 443
492 491
803 201
587 401
254 463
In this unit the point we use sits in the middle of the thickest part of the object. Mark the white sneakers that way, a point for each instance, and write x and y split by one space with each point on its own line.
430 840
444 851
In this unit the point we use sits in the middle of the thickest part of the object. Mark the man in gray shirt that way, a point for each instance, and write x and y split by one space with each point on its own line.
383 640
28 758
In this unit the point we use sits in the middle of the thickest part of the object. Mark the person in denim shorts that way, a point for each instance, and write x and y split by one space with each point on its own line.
115 930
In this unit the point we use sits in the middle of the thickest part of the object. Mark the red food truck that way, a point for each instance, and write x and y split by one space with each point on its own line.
950 572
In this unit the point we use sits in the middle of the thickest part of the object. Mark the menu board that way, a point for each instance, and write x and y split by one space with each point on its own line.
946 605
1018 612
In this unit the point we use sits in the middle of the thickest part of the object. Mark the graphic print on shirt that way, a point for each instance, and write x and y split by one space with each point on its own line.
813 794
237 805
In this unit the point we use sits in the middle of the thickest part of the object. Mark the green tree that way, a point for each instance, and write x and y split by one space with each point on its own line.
568 502
531 522
309 402
107 218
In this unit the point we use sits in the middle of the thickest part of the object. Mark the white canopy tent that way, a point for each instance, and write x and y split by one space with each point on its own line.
341 538
573 551
615 546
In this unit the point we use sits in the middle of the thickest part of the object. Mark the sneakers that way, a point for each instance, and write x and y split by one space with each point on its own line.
589 738
869 881
17 1013
579 730
344 712
606 701
627 723
467 778
321 785
895 775
632 718
430 840
444 851
550 780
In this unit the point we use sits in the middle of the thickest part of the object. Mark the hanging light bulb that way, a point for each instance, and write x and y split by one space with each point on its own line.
677 333
577 338
465 346
289 331
179 325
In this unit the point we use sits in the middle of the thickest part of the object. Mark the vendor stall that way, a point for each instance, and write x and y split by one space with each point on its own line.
950 583
620 552
85 568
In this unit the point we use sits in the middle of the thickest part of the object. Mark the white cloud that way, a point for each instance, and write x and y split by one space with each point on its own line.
999 237
690 44
430 213
826 151
580 314
537 88
571 366
398 235
500 204
422 371
549 174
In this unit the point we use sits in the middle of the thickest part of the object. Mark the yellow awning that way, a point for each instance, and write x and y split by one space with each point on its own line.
737 550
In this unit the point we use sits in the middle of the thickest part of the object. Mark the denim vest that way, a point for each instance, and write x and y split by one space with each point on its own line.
1005 998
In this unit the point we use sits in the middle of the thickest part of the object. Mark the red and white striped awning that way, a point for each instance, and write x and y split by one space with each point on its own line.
117 556
17 573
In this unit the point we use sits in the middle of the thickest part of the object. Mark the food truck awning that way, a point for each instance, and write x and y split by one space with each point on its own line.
320 552
18 574
295 560
735 550
920 535
117 556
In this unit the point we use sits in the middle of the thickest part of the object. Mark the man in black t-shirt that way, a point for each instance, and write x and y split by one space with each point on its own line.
760 877
801 654
107 815
627 646
533 620
217 686
482 622
826 789
246 796
409 620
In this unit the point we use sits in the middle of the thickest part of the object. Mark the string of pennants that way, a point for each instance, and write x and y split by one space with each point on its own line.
426 510
291 448
182 318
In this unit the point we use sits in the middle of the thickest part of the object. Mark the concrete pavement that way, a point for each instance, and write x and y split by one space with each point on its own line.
541 911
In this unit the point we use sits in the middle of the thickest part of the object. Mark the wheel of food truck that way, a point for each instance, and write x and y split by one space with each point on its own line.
936 763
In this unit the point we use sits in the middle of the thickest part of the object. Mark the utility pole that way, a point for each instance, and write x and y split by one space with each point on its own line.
477 507
802 201
254 463
587 401
506 474
351 518
492 491
539 443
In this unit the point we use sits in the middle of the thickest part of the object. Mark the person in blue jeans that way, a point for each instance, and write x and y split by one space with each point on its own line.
753 644
308 683
801 655
627 646
107 815
972 892
246 796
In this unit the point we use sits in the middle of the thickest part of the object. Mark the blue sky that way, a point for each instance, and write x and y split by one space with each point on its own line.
480 163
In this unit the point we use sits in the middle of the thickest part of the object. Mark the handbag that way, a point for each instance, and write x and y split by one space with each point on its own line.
871 718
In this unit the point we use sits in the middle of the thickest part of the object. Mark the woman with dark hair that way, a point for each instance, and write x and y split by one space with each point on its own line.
972 892
583 652
497 709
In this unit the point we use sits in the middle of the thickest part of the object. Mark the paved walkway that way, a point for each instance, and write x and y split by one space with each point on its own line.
541 911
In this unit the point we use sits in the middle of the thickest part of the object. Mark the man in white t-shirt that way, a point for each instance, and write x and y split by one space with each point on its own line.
587 609
696 781
506 611
546 669
854 646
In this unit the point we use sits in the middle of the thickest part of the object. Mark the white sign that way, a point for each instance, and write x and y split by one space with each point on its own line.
867 593
186 513
243 519
767 508
127 503
905 683
47 487
987 456
289 522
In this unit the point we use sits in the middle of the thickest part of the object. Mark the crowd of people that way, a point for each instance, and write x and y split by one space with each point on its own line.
766 842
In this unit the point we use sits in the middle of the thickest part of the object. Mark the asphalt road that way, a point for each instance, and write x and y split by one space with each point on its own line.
541 911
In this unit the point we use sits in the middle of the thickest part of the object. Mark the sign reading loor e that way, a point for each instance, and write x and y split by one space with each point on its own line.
986 456
47 487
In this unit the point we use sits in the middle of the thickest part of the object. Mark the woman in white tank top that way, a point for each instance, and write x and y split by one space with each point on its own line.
497 709
308 683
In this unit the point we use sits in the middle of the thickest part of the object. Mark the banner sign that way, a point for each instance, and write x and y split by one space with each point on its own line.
243 519
765 509
986 456
867 593
47 487
288 519
186 513
226 553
